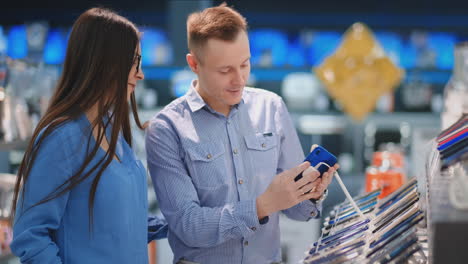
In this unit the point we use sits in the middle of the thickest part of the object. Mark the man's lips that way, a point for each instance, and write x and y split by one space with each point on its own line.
234 91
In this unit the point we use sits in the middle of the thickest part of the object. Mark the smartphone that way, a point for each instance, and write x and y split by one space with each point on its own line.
319 154
358 199
326 233
402 191
339 213
337 220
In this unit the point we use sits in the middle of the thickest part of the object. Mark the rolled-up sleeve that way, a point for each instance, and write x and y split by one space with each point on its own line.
291 155
157 228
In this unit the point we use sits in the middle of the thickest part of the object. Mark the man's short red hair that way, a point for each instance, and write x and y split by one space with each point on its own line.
220 22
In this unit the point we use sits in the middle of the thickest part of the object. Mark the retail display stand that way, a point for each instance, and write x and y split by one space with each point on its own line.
392 230
423 221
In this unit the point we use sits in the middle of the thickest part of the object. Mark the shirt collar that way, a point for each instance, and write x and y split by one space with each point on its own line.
196 102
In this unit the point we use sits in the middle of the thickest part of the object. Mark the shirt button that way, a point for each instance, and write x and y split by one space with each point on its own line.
253 228
246 243
235 151
241 181
263 145
228 122
209 156
313 214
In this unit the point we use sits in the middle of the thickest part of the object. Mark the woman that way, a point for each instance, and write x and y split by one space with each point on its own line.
81 193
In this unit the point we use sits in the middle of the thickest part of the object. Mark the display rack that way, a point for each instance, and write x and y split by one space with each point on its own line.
427 218
447 209
392 230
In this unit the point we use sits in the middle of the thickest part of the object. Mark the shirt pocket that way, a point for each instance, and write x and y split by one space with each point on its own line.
263 151
208 168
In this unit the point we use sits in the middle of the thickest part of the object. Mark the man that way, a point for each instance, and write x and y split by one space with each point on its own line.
223 158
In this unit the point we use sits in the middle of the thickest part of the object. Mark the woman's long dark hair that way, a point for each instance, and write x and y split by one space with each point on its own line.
100 54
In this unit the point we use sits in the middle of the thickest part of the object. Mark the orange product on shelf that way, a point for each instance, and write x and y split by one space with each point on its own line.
5 237
152 255
389 180
396 158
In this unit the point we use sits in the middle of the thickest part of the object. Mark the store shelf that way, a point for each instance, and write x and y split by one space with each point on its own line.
435 76
14 145
165 72
6 257
332 123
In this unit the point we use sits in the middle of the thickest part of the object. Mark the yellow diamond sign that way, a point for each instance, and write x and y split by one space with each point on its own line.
359 72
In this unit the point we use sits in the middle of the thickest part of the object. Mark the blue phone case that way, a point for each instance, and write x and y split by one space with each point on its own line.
319 154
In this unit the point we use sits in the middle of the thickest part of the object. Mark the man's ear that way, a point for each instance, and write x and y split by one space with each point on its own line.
192 62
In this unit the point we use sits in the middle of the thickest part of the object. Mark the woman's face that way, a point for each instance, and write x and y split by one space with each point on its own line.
136 73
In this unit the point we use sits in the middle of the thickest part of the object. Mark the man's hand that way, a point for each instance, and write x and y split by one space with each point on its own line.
284 192
321 184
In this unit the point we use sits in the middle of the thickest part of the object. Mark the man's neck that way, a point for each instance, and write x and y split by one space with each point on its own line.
212 102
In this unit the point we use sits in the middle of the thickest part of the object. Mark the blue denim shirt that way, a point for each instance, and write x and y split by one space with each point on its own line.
58 231
208 170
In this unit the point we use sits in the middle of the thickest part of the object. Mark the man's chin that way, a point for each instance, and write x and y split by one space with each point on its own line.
234 101
234 97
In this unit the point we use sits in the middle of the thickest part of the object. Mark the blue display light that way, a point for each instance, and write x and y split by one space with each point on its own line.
55 48
268 42
443 44
296 55
392 44
323 45
155 48
17 47
181 81
408 56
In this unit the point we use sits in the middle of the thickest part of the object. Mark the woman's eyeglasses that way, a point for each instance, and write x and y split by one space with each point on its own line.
138 61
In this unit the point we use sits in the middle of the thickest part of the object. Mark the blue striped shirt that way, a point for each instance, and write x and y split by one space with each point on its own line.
208 170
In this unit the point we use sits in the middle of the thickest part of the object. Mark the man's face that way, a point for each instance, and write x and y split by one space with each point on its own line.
223 70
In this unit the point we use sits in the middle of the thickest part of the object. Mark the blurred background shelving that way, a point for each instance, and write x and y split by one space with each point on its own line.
419 36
